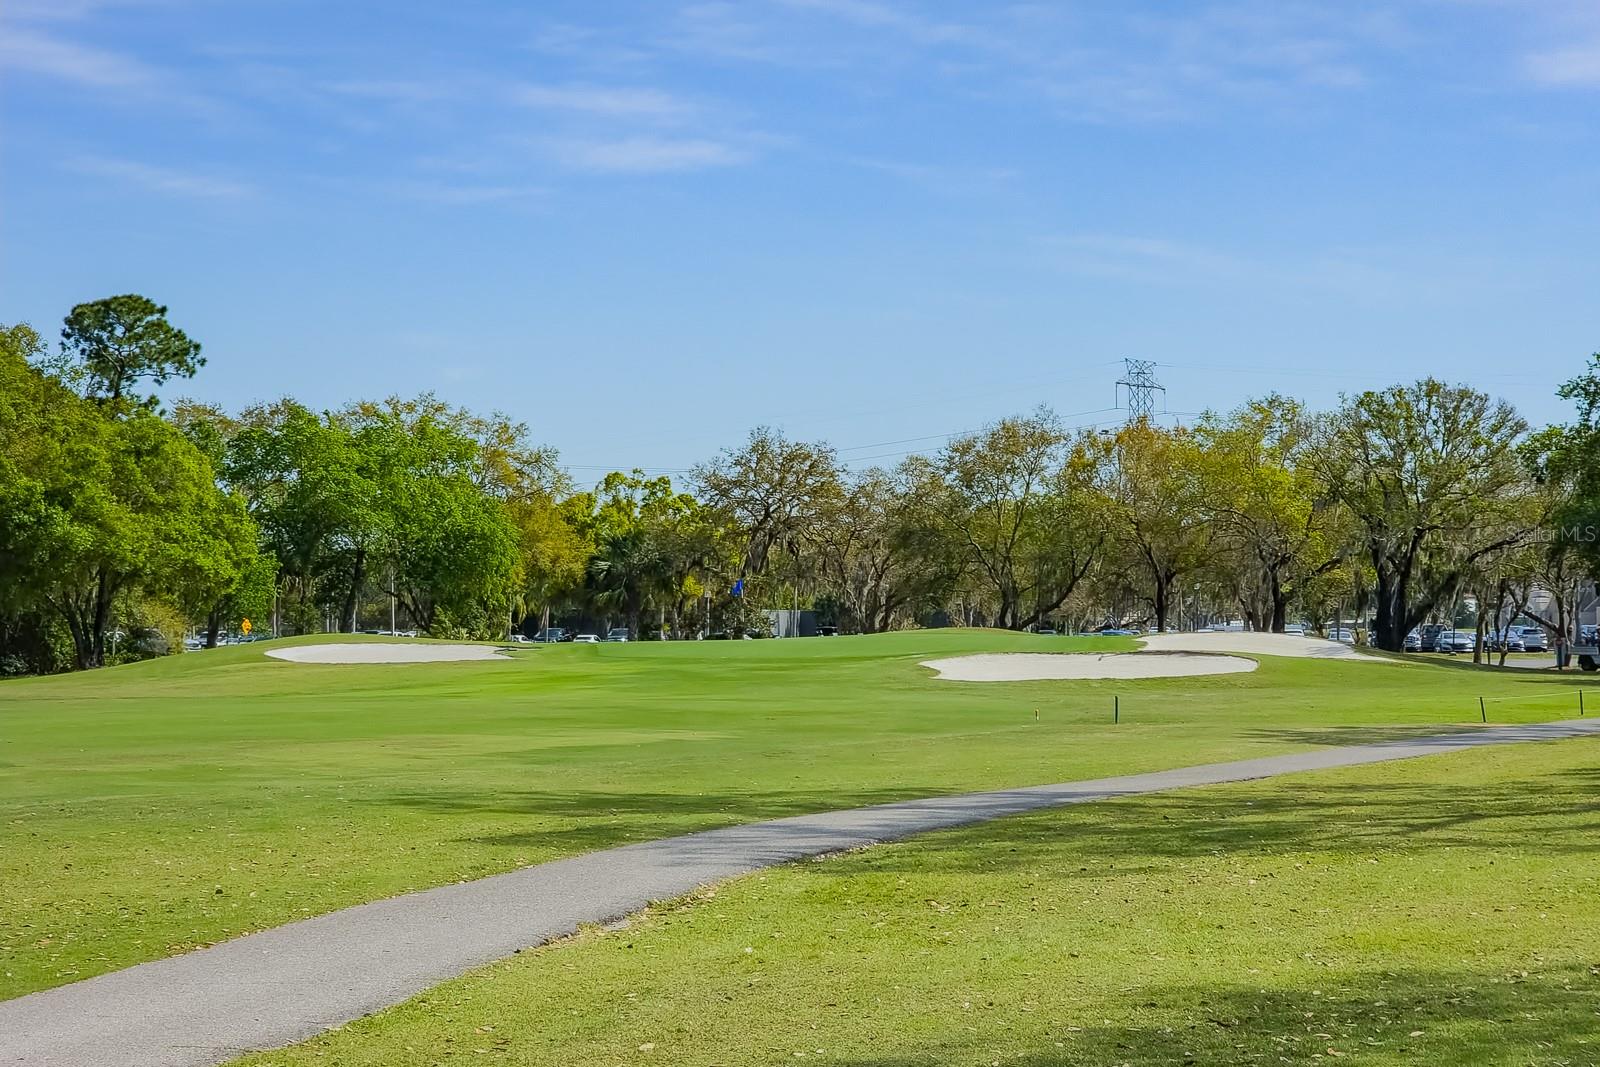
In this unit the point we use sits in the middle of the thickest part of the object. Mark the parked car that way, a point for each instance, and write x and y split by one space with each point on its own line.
586 639
1343 635
618 634
550 635
1453 641
1413 642
1294 629
1428 636
827 631
520 639
1508 640
1534 640
1045 631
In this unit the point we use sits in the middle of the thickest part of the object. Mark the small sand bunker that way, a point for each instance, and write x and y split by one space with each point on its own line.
1040 666
384 652
1257 644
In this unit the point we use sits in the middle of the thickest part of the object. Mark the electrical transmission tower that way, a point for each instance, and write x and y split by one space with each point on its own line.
1139 379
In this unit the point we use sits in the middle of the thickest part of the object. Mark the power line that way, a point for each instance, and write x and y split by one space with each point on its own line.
851 448
900 402
1300 372
958 433
1139 380
903 441
915 451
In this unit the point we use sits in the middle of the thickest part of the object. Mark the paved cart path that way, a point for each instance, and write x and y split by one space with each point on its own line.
272 988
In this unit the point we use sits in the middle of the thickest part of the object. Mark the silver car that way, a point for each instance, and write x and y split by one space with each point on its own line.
1507 641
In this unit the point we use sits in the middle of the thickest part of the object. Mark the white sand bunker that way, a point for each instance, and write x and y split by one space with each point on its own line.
1041 666
1257 644
384 652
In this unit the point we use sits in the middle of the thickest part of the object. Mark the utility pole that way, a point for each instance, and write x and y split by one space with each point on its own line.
1139 379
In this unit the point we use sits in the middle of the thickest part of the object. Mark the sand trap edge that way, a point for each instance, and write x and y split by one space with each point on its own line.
1085 666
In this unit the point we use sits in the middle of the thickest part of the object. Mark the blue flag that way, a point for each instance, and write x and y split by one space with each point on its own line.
738 587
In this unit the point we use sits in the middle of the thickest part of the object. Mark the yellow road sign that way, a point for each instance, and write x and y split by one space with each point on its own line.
245 626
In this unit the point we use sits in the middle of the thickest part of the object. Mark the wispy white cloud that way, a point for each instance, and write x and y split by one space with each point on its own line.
56 41
941 178
1371 274
72 10
468 195
1095 62
394 90
1575 66
1198 59
901 19
56 57
718 29
165 180
606 101
1141 258
646 155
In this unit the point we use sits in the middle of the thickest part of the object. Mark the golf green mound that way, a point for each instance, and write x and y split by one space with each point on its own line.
1047 666
384 652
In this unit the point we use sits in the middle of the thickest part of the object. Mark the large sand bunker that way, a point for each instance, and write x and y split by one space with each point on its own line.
384 652
1041 666
1257 644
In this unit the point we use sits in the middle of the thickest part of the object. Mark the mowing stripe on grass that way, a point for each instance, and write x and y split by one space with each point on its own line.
282 985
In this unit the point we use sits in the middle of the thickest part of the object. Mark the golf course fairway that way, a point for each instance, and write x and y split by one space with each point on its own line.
154 808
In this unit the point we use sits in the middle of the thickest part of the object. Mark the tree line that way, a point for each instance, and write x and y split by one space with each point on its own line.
125 525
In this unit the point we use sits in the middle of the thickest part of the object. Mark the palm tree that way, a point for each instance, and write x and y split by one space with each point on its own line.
624 571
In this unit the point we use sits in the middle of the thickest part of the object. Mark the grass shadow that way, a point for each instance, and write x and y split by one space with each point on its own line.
582 821
1466 1018
1339 736
1103 839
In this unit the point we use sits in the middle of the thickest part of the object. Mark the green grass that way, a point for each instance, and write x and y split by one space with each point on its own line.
150 809
1437 911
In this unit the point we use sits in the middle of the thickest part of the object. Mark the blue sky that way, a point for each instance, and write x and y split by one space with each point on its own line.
644 228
